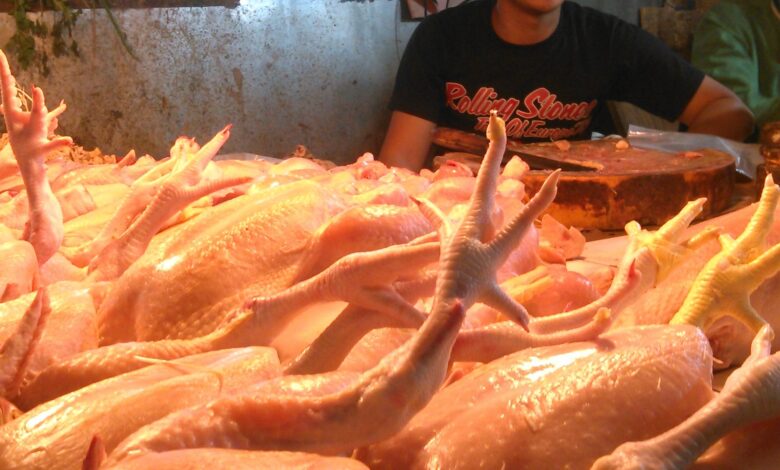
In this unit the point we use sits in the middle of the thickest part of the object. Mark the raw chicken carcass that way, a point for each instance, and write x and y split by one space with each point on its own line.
57 434
730 338
59 269
259 326
71 326
558 407
252 244
197 459
336 412
567 290
73 202
93 365
123 173
84 228
484 340
751 394
17 350
19 269
719 300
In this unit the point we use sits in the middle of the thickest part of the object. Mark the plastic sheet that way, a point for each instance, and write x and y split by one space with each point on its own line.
246 156
747 156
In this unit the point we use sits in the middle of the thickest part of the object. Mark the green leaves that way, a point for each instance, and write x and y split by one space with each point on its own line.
36 38
28 44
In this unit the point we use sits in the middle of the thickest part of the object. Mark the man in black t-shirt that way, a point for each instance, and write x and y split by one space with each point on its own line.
548 67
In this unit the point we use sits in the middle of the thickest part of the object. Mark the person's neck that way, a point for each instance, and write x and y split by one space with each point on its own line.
776 8
517 25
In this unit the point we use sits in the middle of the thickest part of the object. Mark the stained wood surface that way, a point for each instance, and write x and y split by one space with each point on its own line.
627 183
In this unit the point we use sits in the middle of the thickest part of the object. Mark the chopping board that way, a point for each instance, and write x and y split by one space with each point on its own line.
608 183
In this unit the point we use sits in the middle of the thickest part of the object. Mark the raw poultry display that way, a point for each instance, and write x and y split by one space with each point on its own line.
189 312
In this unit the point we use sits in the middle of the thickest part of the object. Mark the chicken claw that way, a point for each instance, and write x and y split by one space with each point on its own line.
28 131
337 412
665 244
469 262
336 341
364 279
28 135
649 258
491 342
171 193
724 284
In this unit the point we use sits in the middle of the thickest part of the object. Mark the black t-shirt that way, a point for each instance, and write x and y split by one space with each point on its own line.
455 69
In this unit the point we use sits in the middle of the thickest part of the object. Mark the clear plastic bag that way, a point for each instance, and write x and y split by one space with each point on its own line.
747 156
246 156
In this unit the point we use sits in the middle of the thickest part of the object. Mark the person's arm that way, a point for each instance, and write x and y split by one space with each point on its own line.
716 110
418 97
653 77
407 142
725 48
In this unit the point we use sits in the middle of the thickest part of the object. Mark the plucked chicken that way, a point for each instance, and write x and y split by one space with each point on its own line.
184 312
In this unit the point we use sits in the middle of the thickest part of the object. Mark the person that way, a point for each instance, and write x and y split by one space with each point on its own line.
548 67
738 44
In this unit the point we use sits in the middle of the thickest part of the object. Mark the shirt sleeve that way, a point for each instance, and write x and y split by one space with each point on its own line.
724 48
648 74
419 83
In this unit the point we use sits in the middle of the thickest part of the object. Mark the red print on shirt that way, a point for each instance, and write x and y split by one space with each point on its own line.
529 120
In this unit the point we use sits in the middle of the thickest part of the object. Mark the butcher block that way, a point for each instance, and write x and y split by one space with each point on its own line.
607 183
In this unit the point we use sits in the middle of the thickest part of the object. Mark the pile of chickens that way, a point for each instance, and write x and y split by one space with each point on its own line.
190 313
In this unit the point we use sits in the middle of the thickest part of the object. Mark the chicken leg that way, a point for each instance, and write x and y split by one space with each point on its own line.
334 413
28 134
171 194
723 286
648 259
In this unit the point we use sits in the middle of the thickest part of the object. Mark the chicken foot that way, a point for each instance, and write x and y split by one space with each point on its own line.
28 135
330 348
723 286
363 279
481 344
172 193
182 171
242 328
490 342
649 258
329 414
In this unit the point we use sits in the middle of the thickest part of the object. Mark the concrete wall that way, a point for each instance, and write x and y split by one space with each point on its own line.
284 72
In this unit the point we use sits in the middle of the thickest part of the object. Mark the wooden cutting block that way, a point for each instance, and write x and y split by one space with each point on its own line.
614 182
